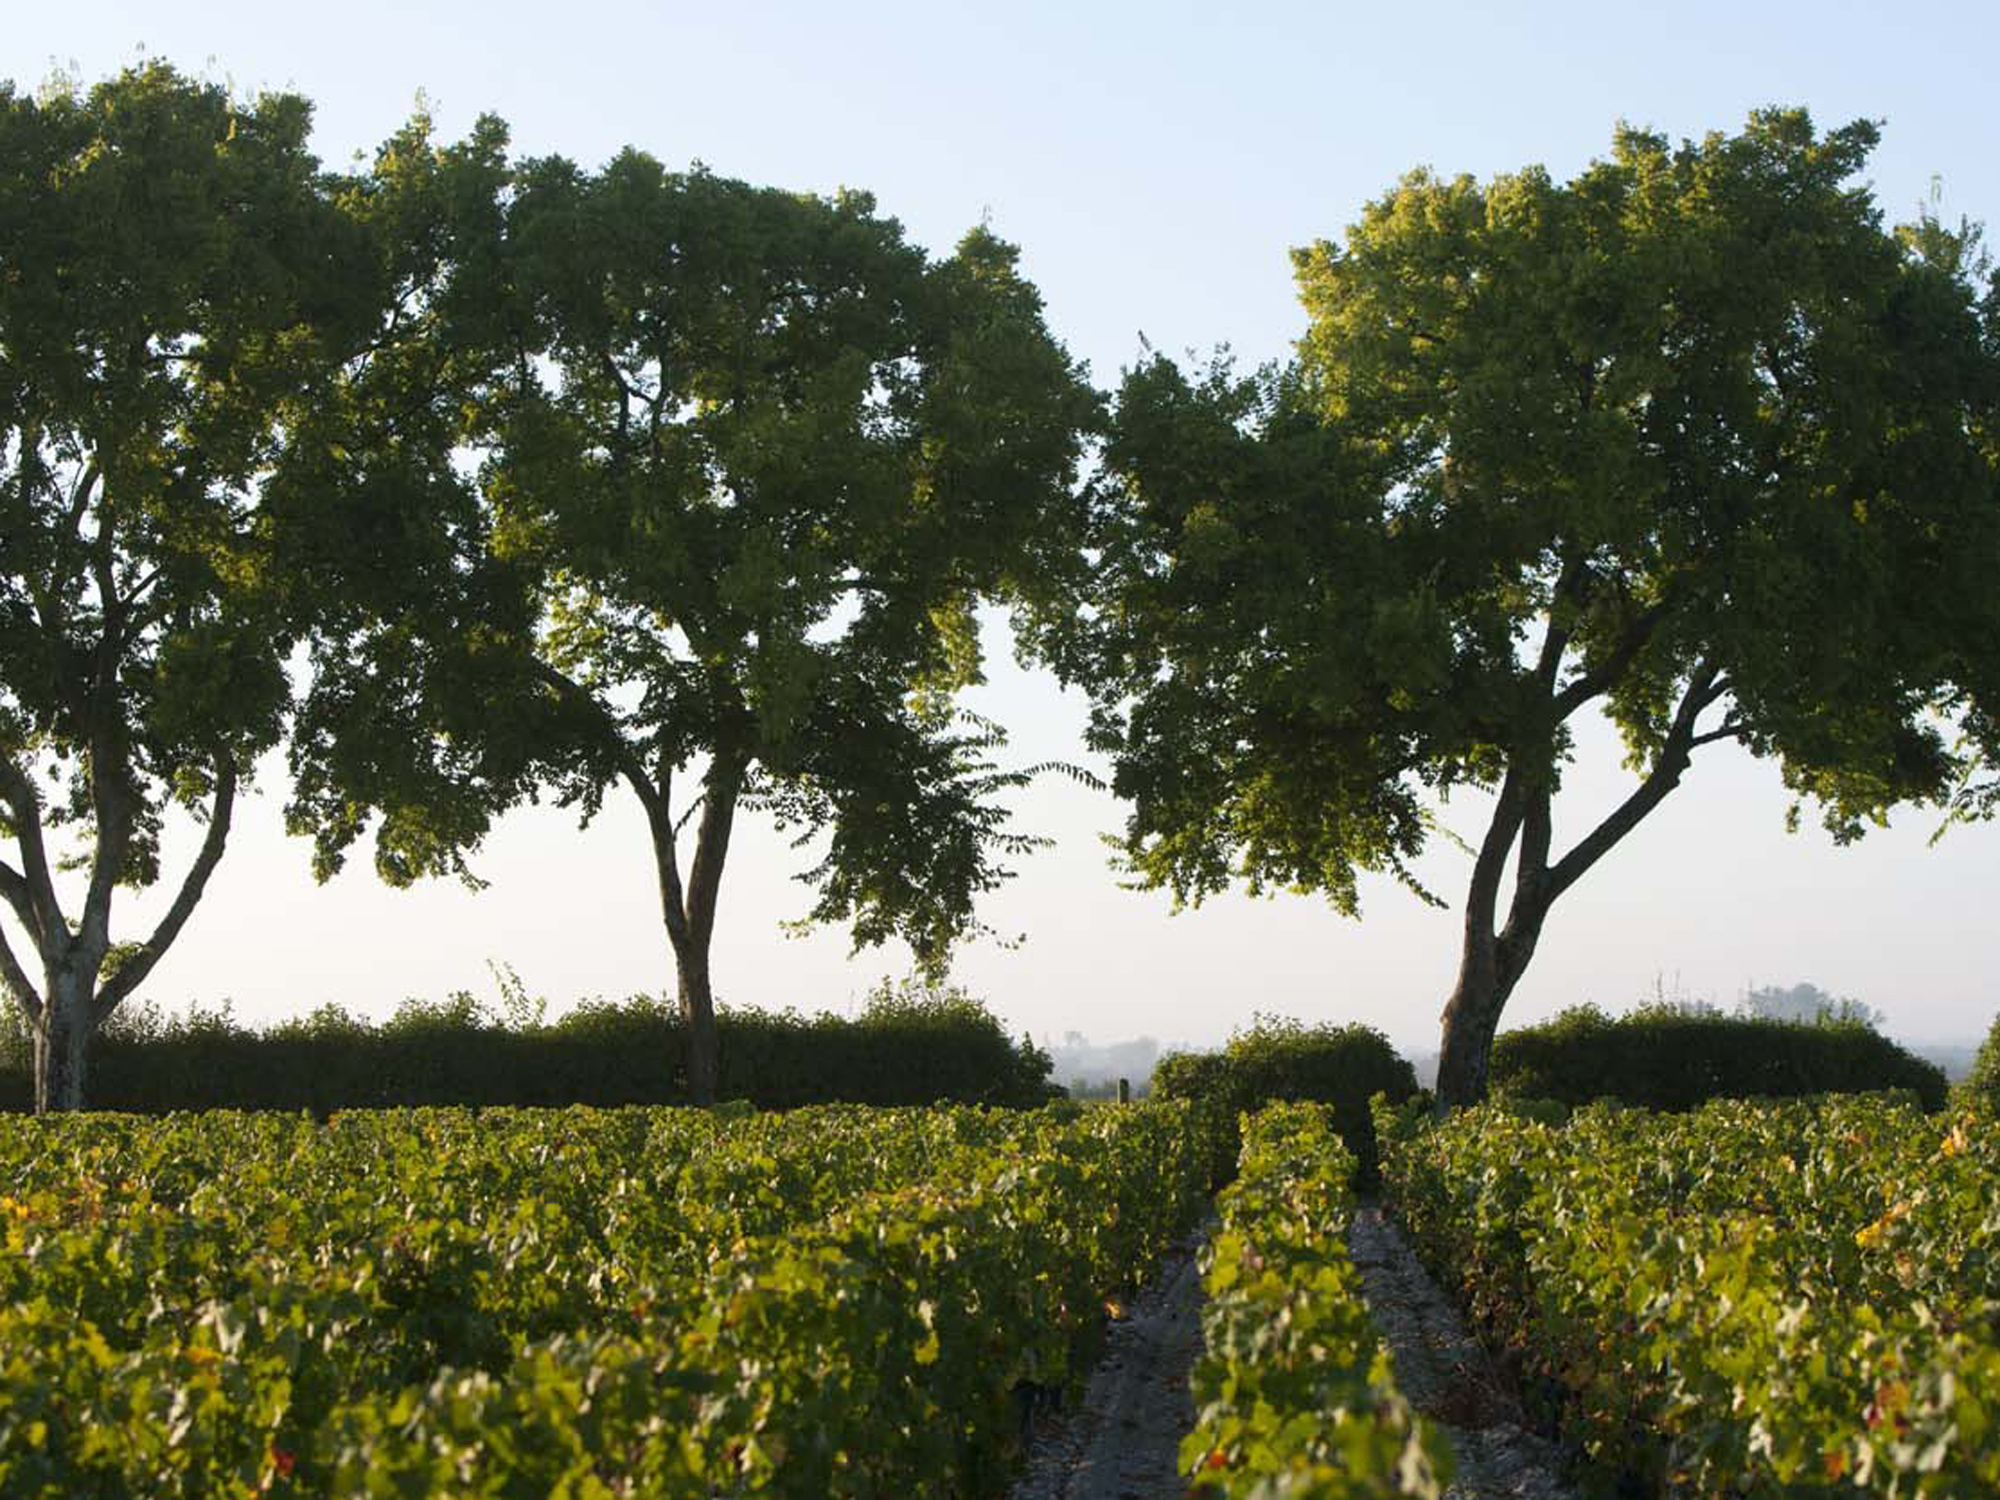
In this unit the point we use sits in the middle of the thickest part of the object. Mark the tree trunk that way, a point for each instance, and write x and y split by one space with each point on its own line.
698 1016
1471 1017
62 1039
1492 961
689 913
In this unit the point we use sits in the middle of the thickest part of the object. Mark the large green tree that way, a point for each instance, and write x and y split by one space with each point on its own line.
1693 440
741 463
174 280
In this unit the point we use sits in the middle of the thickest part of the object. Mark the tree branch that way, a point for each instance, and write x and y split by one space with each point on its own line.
1701 691
667 860
111 795
1606 673
14 891
1728 729
101 555
16 980
711 845
627 759
1483 895
48 926
134 970
655 797
1537 830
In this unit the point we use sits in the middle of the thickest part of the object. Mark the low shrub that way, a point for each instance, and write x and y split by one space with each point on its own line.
1664 1058
1280 1060
1982 1084
910 1044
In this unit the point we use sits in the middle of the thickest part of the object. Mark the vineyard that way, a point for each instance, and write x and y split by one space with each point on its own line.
833 1301
1760 1300
1799 1298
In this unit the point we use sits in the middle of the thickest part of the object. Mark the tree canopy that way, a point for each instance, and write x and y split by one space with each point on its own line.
1693 439
741 464
173 284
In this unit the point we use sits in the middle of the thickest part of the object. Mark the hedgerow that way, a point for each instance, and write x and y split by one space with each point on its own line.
1660 1057
1276 1059
906 1046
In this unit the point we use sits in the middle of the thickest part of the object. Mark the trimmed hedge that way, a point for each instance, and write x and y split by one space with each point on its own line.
1281 1060
908 1046
1667 1059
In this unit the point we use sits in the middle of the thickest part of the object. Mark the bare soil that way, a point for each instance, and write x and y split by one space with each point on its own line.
1446 1374
1122 1441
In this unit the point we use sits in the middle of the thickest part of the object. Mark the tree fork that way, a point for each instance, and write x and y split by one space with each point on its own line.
1492 962
689 912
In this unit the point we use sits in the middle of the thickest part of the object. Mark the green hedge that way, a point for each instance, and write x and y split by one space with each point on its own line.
1279 1060
907 1046
1670 1059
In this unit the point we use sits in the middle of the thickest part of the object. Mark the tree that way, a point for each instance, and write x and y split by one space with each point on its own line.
749 460
1691 439
1808 1002
173 281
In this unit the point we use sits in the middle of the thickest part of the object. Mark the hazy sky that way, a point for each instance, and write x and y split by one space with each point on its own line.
1155 162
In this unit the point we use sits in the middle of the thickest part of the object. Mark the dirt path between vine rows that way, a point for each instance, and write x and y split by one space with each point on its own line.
1123 1441
1447 1376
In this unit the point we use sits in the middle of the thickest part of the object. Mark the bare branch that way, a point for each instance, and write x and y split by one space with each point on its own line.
1701 691
14 891
48 926
653 795
79 502
1537 830
1556 642
711 846
681 822
1728 729
139 589
1605 674
111 794
101 555
666 858
1483 895
134 970
15 978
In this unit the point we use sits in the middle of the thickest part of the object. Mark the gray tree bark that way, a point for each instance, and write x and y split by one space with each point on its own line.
62 1039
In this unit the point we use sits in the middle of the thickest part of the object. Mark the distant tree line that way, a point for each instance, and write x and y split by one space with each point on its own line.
469 479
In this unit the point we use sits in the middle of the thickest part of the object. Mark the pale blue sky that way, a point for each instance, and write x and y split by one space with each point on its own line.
1155 162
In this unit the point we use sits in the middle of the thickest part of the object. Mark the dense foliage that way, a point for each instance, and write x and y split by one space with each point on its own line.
176 289
905 1047
1693 439
1293 1392
1278 1059
1983 1083
1663 1058
745 462
832 1302
1789 1299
